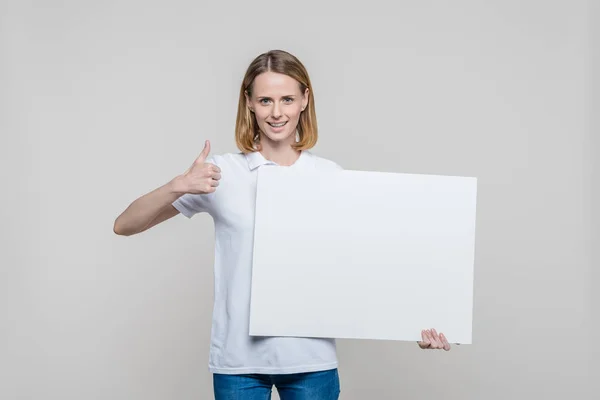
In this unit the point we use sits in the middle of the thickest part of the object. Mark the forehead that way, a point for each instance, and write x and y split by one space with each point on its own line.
273 83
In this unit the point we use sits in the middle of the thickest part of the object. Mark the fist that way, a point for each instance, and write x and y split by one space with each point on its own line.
202 177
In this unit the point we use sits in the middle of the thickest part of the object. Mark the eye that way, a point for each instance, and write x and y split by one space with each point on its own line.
264 101
288 100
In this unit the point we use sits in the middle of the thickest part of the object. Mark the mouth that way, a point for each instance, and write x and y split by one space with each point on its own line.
277 125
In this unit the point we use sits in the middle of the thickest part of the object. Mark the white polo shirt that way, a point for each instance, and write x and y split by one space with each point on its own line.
232 206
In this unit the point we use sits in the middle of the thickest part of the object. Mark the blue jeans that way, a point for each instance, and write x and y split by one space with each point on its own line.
320 385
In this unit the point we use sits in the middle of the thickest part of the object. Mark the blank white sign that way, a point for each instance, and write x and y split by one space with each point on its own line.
363 255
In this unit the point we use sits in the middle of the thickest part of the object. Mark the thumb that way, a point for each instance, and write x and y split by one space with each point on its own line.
205 151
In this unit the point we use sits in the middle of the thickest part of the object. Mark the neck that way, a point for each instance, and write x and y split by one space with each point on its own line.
282 153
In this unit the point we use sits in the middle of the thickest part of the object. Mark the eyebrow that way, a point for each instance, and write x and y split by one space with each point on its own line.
267 97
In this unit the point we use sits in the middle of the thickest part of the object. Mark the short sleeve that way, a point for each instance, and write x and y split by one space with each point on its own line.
191 204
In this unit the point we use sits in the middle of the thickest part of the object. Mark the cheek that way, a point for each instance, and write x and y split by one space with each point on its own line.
295 113
260 116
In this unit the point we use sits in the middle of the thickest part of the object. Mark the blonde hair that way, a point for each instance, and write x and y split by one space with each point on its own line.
247 132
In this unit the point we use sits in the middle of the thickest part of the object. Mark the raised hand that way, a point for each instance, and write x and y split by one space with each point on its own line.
202 177
431 340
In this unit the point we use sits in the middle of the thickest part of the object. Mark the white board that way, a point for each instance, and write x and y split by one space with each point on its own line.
363 255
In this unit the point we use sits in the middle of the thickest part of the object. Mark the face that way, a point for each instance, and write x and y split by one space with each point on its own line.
277 103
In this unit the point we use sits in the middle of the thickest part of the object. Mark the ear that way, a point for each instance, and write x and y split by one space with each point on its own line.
305 98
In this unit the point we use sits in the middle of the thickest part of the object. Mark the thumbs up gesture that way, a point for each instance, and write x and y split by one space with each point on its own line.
202 177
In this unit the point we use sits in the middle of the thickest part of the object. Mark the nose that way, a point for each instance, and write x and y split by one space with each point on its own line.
276 110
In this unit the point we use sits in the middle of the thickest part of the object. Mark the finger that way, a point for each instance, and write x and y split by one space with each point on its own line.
429 339
434 342
215 176
445 342
215 168
436 337
214 183
205 151
424 343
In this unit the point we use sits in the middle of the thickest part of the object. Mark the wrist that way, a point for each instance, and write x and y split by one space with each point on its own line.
177 185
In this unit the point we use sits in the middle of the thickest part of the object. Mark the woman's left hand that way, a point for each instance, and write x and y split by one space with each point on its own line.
431 340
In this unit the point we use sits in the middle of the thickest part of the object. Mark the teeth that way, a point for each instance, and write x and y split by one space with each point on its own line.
278 125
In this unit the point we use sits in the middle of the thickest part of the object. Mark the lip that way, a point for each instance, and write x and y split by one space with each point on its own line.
284 122
277 129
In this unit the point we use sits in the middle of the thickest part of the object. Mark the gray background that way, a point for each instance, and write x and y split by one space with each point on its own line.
102 102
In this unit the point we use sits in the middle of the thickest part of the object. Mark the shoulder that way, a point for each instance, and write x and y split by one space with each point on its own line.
226 160
326 164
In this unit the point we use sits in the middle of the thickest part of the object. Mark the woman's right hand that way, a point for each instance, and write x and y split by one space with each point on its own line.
201 177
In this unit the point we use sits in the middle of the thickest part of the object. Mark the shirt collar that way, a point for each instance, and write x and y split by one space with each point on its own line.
256 159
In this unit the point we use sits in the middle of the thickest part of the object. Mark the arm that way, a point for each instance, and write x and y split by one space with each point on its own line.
149 210
156 206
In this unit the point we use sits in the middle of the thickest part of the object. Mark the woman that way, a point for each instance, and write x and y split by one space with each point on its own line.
276 125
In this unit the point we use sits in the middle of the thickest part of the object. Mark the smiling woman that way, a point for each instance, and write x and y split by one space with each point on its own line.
276 125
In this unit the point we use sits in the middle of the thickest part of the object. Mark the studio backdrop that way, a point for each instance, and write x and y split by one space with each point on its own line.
101 102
